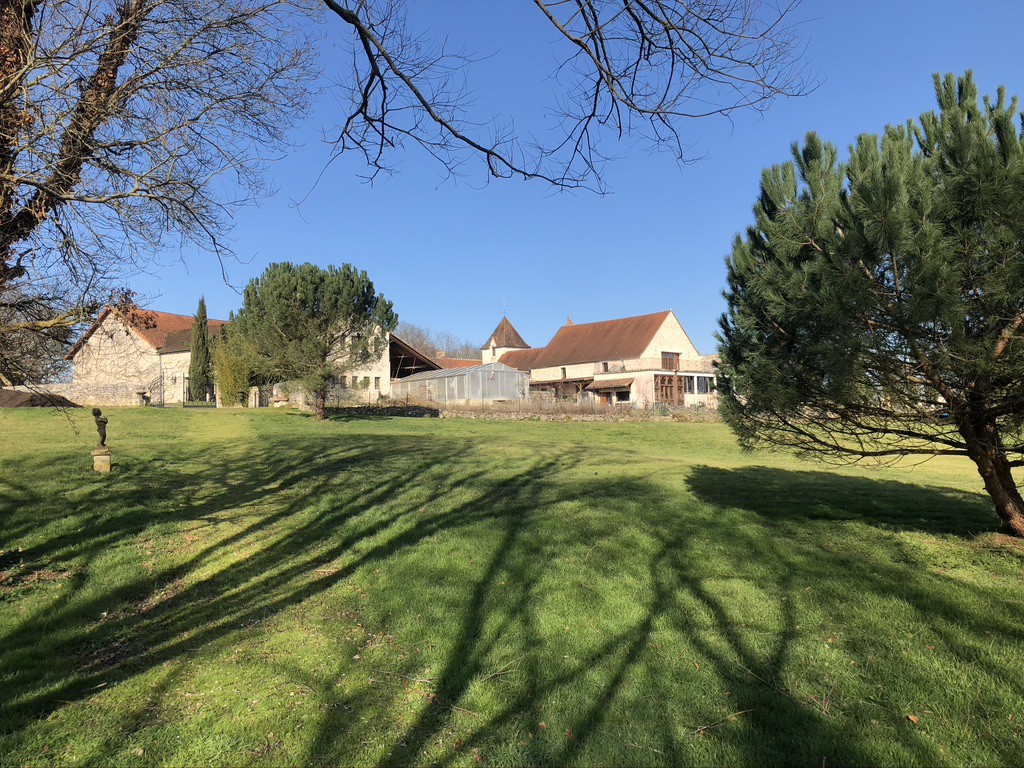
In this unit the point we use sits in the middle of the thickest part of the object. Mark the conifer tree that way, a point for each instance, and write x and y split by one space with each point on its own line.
231 369
301 322
200 366
876 306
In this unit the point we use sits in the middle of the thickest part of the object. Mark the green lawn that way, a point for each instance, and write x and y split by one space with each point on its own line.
258 588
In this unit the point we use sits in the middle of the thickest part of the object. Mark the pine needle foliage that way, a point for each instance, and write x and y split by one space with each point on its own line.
200 365
876 305
306 323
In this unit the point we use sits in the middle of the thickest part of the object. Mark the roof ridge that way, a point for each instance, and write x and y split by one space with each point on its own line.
617 319
164 312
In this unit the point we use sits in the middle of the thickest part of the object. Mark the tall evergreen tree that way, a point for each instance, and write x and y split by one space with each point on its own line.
231 369
311 324
200 366
876 306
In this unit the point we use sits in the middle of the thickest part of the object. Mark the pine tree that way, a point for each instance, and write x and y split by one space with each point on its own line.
311 324
876 306
200 367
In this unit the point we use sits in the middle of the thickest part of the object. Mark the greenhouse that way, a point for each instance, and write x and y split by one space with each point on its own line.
480 383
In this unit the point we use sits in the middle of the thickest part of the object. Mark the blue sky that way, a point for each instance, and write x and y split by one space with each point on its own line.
450 255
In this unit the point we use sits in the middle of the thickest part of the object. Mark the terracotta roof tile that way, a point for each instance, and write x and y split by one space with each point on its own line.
506 336
623 339
521 359
455 362
167 332
164 331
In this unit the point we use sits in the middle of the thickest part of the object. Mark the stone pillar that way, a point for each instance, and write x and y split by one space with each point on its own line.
101 460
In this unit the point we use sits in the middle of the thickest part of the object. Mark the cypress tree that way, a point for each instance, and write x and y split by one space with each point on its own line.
200 367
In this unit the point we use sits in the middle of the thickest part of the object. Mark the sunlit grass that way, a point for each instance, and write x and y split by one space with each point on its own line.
258 588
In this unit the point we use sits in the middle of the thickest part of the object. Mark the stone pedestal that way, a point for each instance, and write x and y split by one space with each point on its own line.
101 460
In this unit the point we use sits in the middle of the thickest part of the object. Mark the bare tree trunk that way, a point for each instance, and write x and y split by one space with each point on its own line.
985 449
15 37
995 472
321 406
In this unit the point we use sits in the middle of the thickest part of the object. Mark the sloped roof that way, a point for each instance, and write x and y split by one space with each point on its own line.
621 339
506 336
167 332
609 384
521 359
405 359
455 362
451 372
164 331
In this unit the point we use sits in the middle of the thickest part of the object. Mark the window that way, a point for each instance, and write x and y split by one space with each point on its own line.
366 381
622 396
376 383
355 381
688 385
604 367
704 385
670 361
563 373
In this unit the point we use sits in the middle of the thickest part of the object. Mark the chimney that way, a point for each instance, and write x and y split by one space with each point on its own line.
440 353
568 321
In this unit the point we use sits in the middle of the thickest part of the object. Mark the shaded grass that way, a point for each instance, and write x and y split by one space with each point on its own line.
255 588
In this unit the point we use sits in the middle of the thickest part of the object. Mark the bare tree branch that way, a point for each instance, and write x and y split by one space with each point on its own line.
118 120
630 68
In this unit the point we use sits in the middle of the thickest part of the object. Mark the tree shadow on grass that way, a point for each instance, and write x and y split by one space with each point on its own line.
781 725
309 512
780 495
374 413
289 541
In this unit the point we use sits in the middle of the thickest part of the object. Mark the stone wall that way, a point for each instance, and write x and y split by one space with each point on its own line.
115 360
91 394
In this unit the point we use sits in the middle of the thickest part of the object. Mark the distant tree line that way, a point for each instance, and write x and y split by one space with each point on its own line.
431 342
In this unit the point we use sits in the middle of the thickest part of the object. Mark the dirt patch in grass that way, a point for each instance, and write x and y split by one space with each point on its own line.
15 579
1001 542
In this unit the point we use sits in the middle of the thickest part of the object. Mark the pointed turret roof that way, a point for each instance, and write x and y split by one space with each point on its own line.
506 336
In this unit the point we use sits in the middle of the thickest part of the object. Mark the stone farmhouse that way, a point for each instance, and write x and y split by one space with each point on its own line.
142 357
133 358
639 361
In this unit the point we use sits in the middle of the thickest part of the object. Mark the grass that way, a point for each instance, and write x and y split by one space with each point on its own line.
258 588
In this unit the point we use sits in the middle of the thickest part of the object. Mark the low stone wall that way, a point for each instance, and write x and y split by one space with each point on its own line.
90 394
625 415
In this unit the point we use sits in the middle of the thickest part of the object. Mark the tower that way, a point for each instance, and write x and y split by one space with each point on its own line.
504 339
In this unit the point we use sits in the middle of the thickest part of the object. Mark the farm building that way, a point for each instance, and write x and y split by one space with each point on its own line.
639 361
489 382
142 356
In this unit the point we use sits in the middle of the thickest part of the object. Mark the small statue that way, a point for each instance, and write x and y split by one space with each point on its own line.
101 426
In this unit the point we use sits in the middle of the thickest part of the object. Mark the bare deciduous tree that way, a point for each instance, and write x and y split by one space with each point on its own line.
431 342
629 68
118 119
